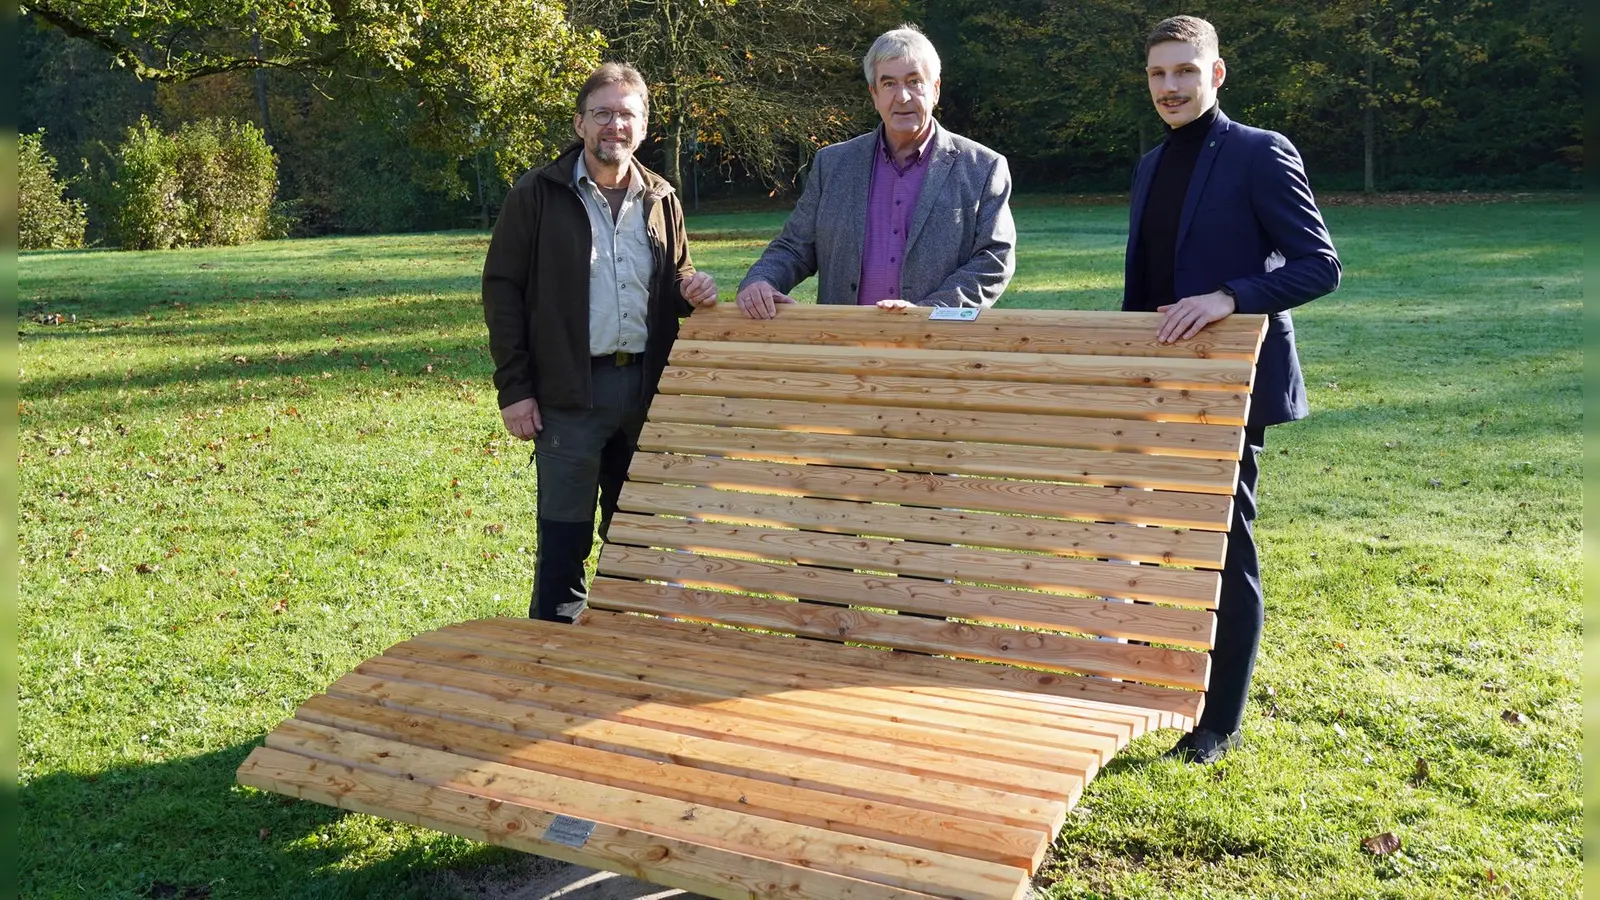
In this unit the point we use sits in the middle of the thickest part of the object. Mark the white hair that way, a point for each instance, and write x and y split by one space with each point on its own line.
905 42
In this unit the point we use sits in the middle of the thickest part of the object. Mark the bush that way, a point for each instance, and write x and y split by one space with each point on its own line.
209 183
45 218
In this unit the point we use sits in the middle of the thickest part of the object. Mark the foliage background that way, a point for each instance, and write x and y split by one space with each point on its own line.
395 136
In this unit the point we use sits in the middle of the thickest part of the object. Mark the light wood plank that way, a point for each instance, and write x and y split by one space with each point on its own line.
1195 588
591 653
1008 532
1043 368
471 813
1020 331
1142 404
987 643
1035 429
787 766
1205 476
898 755
1193 629
780 673
874 819
1065 753
647 785
1209 512
1003 684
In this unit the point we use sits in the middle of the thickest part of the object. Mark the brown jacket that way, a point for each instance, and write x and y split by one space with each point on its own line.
536 286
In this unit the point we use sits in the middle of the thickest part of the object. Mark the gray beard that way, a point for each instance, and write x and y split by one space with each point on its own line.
613 155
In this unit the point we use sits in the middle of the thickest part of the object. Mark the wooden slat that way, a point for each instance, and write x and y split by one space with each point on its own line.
1002 683
589 652
1210 512
1177 374
1189 628
788 766
945 731
904 751
712 851
781 671
1144 404
875 819
1046 573
1010 532
1033 429
1021 331
1169 668
1206 476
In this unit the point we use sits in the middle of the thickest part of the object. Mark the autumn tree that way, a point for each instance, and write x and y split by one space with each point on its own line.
457 76
758 80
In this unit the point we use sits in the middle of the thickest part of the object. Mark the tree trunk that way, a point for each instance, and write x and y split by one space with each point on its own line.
1369 134
261 85
672 145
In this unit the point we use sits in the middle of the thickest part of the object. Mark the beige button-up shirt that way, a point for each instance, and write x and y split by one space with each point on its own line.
620 265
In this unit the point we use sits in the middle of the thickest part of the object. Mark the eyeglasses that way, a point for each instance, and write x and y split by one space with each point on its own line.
603 116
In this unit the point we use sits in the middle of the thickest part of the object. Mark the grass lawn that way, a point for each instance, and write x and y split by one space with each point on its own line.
242 471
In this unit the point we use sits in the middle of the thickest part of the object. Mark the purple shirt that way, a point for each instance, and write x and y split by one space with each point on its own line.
890 203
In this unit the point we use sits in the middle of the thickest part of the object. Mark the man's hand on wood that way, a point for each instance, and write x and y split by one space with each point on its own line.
1185 318
760 300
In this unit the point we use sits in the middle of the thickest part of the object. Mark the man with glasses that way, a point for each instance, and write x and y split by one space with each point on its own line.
907 214
587 275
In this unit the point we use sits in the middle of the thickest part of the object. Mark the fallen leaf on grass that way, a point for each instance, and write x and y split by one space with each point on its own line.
1512 717
280 606
1381 844
1421 774
493 528
146 568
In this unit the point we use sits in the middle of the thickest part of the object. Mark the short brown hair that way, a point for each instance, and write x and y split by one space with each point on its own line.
614 73
1192 30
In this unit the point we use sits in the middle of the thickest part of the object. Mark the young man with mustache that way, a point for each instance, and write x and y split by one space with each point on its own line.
1223 221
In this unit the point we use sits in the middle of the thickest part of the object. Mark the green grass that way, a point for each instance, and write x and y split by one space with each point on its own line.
243 471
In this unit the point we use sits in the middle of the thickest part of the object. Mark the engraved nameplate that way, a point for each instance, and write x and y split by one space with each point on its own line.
568 830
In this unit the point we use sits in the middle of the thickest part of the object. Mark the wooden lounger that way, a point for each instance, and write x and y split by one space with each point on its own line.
923 534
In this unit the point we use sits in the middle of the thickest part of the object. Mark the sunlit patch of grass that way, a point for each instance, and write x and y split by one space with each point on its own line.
243 471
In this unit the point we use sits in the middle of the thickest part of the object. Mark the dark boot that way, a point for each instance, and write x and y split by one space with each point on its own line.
558 586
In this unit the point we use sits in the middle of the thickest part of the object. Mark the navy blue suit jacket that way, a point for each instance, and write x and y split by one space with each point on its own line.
1249 222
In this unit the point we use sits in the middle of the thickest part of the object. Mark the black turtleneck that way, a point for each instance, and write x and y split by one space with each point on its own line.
1158 227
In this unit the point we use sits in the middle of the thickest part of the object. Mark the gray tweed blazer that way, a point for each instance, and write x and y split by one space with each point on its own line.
960 248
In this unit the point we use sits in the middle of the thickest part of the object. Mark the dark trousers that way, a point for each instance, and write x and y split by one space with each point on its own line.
581 455
1240 608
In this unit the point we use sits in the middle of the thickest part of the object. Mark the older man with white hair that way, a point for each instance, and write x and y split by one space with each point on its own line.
908 213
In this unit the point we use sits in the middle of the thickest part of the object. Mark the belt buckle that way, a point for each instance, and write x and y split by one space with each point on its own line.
621 358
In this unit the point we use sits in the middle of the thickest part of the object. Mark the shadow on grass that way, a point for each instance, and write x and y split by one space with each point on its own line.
186 829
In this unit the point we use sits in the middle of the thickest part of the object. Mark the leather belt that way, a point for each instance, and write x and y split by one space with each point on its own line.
618 358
